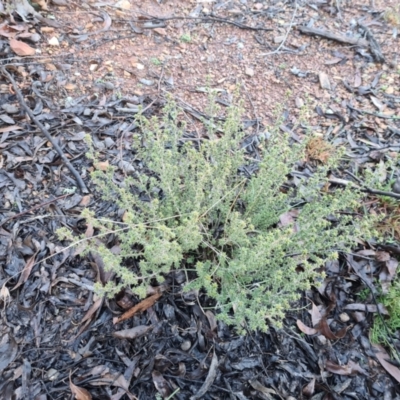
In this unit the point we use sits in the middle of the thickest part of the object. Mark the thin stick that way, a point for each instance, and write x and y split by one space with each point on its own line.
32 209
286 36
208 18
22 102
363 188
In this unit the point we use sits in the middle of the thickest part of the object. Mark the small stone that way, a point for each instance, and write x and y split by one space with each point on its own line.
52 374
93 67
186 345
54 41
390 90
396 186
299 102
146 82
139 66
249 71
344 317
279 39
109 142
109 85
35 37
324 81
123 4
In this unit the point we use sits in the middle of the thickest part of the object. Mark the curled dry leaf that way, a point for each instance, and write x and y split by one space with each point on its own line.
142 306
384 358
382 256
308 390
132 333
261 388
161 384
8 351
305 329
78 392
21 48
349 369
315 315
212 374
26 271
324 328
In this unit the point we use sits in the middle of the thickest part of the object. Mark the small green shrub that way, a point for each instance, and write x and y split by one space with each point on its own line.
252 242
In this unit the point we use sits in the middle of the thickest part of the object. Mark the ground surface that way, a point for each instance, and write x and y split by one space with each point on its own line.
88 75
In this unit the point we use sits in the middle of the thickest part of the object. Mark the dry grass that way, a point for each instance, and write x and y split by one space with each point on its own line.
319 150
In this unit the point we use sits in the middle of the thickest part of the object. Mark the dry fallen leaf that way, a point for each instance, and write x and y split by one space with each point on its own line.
21 48
54 41
140 307
308 390
382 357
132 333
102 165
26 271
305 329
349 369
79 393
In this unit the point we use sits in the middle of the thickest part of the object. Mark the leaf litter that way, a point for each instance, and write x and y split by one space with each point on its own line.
53 322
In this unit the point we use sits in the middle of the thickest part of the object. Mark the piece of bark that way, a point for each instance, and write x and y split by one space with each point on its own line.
334 36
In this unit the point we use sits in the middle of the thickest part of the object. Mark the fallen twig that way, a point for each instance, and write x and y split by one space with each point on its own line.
209 18
22 102
286 35
373 44
32 209
375 114
363 187
334 36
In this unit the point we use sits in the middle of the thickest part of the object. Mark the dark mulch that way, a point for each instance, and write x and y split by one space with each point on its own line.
57 338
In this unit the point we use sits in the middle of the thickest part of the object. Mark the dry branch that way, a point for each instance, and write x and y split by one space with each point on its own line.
23 104
334 36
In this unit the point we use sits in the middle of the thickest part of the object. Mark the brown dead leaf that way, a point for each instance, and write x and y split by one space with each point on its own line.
71 86
92 310
85 200
316 315
21 48
357 79
308 390
324 328
382 256
160 31
102 165
349 369
26 271
132 333
142 306
11 128
305 329
161 384
78 392
382 357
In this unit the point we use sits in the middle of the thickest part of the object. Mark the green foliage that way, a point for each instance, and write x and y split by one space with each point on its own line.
381 331
222 227
186 38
